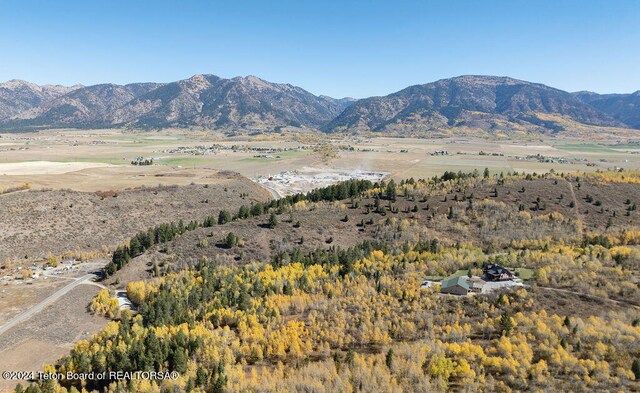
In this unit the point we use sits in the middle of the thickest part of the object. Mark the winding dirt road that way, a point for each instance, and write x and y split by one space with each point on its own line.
598 298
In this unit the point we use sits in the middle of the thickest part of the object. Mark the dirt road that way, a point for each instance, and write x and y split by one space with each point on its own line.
613 301
575 205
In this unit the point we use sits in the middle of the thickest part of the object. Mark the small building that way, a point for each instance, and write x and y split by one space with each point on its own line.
495 272
476 283
456 286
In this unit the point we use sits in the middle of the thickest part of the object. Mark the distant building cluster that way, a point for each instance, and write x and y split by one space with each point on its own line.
215 148
545 159
142 161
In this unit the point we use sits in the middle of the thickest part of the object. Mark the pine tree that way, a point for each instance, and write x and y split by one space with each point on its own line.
506 323
257 209
389 359
391 190
231 240
635 367
350 358
224 217
243 212
273 221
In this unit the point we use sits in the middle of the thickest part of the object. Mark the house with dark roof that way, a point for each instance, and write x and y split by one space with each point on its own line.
495 272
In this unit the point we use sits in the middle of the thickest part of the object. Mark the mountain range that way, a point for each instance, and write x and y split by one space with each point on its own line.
487 103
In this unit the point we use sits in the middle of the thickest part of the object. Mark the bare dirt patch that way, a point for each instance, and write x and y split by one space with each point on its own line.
307 179
45 167
15 298
49 334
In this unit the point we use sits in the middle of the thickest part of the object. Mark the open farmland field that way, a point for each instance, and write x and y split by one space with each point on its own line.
101 159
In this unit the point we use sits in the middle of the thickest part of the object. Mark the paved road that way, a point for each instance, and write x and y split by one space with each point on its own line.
23 316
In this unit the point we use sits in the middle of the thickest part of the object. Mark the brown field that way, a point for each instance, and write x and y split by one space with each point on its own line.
100 159
49 334
15 298
34 223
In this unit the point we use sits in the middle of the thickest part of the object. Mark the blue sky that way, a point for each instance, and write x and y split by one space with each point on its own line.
338 48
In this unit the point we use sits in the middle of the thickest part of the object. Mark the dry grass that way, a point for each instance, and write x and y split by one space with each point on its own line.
50 334
495 222
35 223
15 298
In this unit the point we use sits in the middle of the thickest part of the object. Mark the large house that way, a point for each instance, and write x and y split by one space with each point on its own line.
495 272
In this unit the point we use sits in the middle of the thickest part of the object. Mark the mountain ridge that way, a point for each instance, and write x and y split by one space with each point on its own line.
469 100
626 107
490 103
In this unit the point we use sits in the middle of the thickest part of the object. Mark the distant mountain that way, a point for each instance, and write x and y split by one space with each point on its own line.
623 107
467 103
242 102
85 106
484 102
341 102
202 100
17 96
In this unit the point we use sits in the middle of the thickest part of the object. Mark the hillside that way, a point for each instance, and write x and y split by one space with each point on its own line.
35 223
210 101
84 107
483 211
484 102
335 300
623 107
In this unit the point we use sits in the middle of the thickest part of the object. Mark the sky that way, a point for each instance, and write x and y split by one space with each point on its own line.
355 48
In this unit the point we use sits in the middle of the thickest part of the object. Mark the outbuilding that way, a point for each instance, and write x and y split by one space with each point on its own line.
456 286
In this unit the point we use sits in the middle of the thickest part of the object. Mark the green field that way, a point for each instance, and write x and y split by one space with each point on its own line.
459 273
524 273
584 147
106 159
